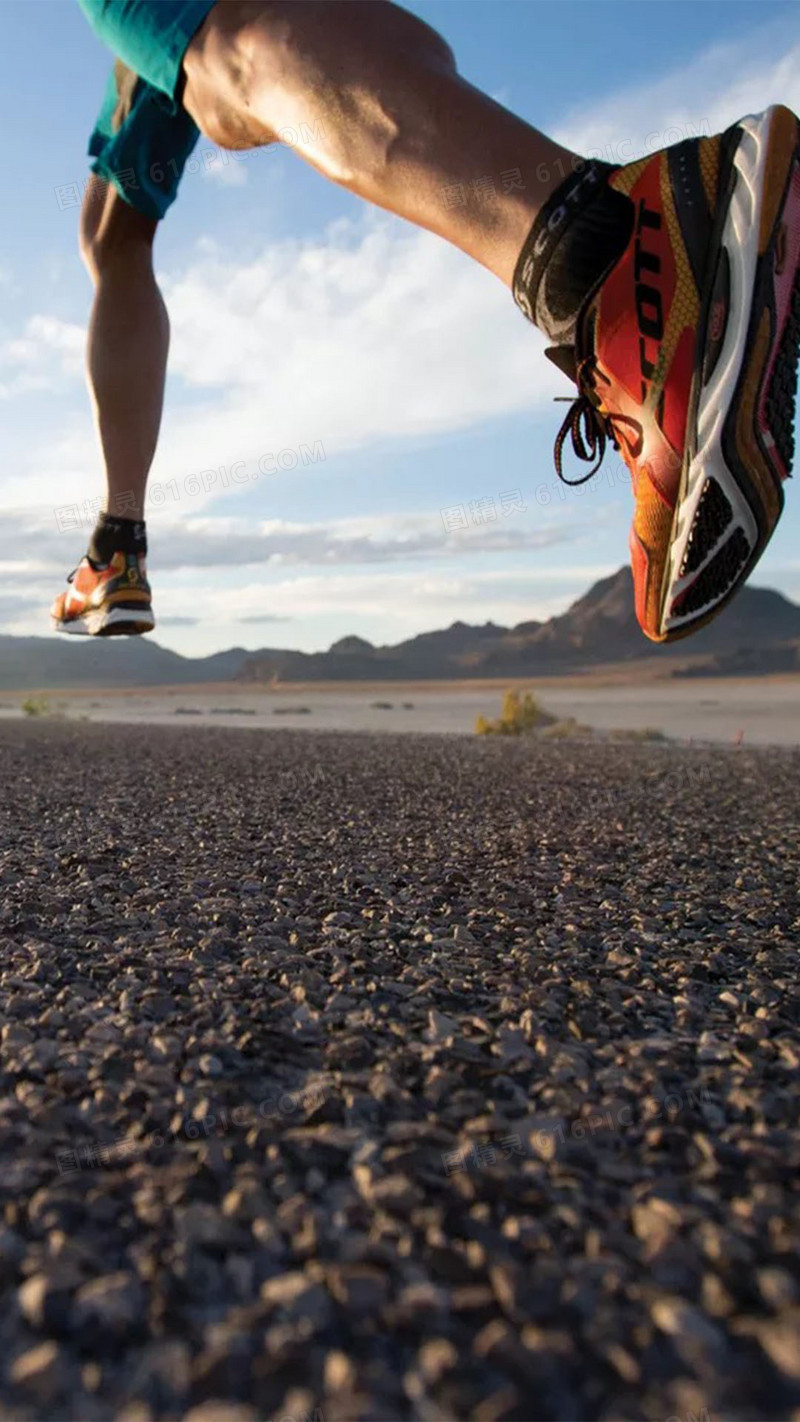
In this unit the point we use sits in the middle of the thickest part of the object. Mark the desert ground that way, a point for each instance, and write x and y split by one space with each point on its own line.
357 1076
753 711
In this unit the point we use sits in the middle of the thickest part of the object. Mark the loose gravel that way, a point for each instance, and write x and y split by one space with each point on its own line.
396 1077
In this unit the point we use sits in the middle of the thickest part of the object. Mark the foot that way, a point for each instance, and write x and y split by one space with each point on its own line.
686 359
113 601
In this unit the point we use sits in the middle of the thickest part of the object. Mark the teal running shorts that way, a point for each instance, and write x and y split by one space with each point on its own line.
144 136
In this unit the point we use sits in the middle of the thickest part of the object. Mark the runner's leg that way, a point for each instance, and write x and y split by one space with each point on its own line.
369 95
128 343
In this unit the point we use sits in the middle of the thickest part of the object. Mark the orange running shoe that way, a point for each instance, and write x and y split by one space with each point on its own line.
686 359
113 601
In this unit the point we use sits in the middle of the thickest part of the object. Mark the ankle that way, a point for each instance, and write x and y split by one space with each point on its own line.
117 535
577 237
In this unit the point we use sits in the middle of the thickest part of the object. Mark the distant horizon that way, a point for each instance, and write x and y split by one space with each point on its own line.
602 638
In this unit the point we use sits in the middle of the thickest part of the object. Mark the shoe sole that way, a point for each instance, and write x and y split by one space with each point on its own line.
741 443
110 622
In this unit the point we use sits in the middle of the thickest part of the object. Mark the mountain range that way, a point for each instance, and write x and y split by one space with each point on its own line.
759 633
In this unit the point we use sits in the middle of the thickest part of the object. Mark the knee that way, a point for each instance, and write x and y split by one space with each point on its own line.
244 51
221 73
111 230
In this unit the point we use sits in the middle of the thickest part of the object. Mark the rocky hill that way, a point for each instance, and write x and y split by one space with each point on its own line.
759 633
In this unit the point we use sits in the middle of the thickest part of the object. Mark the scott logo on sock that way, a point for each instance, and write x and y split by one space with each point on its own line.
574 195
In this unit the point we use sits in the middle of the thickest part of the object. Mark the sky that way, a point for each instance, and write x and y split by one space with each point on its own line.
359 423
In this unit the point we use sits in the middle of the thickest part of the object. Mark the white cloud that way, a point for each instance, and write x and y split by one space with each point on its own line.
722 84
220 543
311 611
373 332
219 166
36 559
382 606
23 384
33 545
46 353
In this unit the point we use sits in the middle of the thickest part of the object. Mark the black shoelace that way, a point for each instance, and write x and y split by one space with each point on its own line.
588 427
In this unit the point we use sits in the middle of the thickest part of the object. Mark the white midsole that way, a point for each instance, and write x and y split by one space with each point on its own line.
90 623
75 628
740 240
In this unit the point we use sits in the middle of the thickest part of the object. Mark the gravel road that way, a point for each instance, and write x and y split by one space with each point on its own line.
355 1077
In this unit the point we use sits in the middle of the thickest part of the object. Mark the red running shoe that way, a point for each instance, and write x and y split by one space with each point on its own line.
113 601
686 359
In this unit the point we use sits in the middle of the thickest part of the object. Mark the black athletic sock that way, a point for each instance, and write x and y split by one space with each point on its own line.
113 534
580 233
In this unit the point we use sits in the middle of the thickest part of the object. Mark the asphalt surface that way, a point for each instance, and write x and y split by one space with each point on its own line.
396 1077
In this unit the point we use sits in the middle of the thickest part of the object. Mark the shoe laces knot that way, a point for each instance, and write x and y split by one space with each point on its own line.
589 426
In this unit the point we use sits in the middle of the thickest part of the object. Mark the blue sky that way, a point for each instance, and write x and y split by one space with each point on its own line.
359 424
